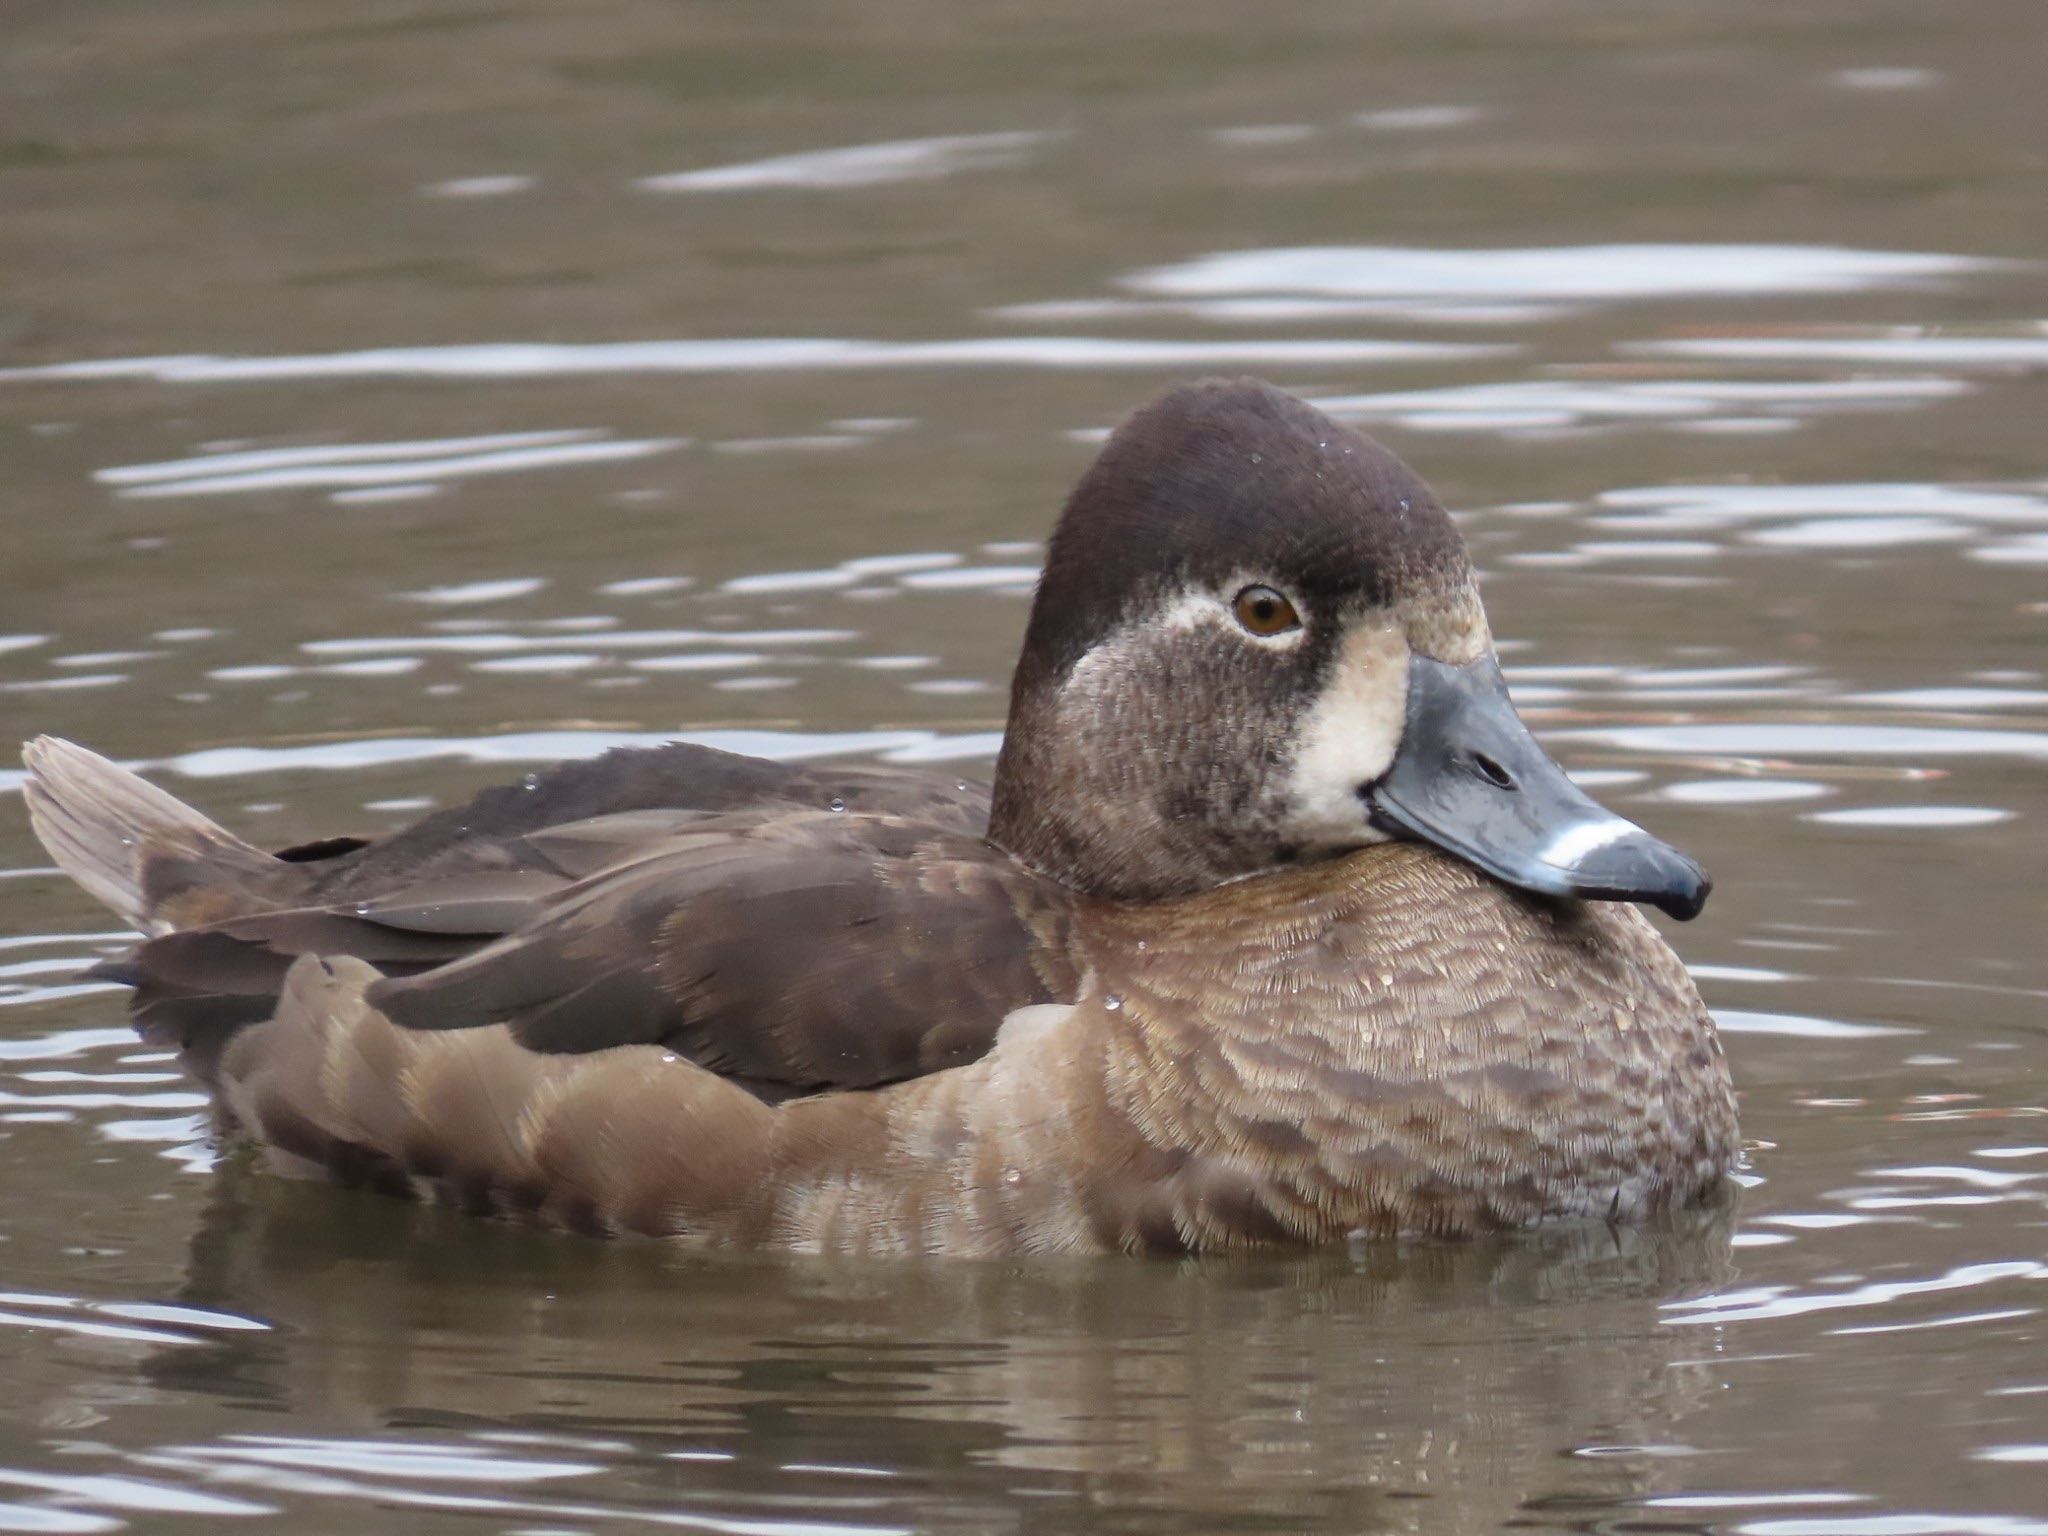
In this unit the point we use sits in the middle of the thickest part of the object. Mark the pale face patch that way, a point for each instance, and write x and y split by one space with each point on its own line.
1202 606
1192 608
1348 739
1249 749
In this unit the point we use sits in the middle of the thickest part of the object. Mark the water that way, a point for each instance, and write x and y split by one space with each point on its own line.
396 401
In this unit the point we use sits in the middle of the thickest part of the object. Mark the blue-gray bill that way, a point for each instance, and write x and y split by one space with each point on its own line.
1470 779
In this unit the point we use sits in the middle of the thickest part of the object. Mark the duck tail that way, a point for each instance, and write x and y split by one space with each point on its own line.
150 859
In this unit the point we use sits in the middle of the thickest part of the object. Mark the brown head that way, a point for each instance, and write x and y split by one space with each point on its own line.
1257 641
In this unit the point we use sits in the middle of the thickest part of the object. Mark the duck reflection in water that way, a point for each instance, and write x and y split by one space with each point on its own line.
1281 1392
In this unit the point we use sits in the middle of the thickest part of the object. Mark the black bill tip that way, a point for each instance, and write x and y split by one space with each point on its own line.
1622 862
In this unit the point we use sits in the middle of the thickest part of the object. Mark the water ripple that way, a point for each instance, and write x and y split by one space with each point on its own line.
1551 405
858 165
1905 346
745 354
1579 274
125 1322
1781 1301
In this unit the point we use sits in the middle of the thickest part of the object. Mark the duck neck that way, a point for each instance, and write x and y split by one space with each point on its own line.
1102 823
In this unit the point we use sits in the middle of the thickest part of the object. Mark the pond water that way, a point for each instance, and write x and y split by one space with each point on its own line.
393 399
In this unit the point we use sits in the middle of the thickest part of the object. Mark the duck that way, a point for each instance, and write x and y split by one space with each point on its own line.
1276 928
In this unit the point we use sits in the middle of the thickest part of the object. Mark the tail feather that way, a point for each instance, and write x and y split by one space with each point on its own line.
149 858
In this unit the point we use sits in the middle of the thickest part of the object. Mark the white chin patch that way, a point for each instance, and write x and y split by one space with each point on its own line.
1348 740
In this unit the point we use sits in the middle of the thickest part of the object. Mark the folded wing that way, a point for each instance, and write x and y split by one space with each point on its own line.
790 953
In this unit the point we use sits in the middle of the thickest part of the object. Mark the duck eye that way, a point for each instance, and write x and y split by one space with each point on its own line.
1265 612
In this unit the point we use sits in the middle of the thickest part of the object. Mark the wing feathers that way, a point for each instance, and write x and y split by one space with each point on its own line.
482 903
784 963
791 929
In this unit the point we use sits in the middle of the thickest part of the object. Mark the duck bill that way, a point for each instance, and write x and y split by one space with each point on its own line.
1469 778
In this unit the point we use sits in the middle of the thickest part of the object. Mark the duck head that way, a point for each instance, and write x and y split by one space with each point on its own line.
1257 641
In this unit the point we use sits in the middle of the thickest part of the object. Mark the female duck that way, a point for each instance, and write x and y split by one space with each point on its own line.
1278 928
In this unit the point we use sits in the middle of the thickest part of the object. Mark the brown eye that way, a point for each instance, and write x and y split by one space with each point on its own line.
1264 612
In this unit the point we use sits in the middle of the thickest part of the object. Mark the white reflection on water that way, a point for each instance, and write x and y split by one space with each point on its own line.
1586 273
1742 1021
920 572
134 1494
389 1473
1262 135
1900 345
1743 791
426 1460
481 186
623 640
1535 405
1749 973
1899 1525
973 578
815 442
396 465
66 684
462 592
857 165
1728 505
63 1045
2024 549
1274 309
1747 1500
1885 77
897 746
1929 816
746 354
1861 533
701 661
132 1322
543 662
1419 119
1795 739
1776 1301
793 581
1846 515
254 460
646 586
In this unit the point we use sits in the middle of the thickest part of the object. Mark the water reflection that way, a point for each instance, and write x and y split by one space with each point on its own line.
860 165
1839 516
354 466
628 1378
746 354
1562 275
1550 405
2021 347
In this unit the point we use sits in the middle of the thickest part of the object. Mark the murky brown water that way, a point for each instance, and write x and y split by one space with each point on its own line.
393 397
